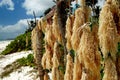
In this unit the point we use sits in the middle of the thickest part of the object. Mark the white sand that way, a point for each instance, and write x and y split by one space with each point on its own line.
23 73
8 59
3 44
19 74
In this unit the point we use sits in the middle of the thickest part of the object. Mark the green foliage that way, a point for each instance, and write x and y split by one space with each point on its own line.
91 2
29 61
22 61
47 11
10 68
118 53
61 68
61 47
102 72
72 53
19 44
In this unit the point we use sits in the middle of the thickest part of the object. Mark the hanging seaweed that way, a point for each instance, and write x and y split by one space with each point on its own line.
69 68
43 24
49 37
47 58
77 70
58 53
110 72
56 29
79 21
89 55
49 43
55 59
69 25
108 36
37 45
82 15
107 33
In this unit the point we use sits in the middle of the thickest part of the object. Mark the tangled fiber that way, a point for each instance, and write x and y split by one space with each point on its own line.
69 25
110 72
89 55
44 61
46 76
78 22
55 29
56 60
108 33
47 58
36 45
114 6
69 68
77 70
79 19
81 16
42 24
37 38
49 37
82 2
59 52
55 71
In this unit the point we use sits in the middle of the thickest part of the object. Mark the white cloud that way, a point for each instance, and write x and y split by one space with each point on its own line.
100 3
11 31
37 5
8 3
14 28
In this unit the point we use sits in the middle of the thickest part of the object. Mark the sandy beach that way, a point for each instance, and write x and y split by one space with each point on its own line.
23 73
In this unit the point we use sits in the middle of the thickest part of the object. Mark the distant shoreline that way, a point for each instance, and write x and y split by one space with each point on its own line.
6 39
3 44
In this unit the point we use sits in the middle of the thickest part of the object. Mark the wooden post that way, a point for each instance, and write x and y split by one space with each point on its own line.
37 39
62 17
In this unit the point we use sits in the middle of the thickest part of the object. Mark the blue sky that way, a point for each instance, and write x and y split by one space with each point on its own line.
15 13
8 17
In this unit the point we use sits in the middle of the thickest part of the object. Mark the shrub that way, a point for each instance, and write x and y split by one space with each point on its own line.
28 61
18 44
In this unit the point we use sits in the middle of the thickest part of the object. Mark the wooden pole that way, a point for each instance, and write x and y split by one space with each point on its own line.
62 17
37 39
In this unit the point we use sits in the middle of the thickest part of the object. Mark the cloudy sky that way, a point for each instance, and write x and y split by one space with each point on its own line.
15 13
